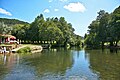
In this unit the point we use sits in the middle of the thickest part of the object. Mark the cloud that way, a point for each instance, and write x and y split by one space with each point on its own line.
75 7
56 10
50 0
3 11
46 11
63 0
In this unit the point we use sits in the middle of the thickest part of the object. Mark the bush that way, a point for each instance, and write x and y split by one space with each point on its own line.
23 50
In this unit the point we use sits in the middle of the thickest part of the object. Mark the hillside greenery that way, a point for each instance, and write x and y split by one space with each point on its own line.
10 22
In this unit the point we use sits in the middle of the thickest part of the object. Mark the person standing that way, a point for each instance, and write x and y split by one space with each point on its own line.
4 49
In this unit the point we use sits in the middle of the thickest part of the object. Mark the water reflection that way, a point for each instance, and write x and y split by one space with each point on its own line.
61 64
4 59
7 63
10 59
55 64
52 62
113 50
106 64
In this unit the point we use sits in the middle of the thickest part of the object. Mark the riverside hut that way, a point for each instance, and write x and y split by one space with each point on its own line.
5 38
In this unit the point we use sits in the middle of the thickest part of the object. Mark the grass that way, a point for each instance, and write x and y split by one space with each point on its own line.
24 50
27 48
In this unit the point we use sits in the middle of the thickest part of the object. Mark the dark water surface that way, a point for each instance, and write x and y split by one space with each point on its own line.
61 64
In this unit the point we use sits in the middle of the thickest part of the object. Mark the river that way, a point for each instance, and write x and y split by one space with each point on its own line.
61 64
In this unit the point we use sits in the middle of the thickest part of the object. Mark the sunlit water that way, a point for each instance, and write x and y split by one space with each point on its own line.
61 64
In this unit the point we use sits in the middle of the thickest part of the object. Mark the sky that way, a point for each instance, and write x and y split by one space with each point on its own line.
80 13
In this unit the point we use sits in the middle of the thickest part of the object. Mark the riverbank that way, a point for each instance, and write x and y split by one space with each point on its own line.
28 48
21 48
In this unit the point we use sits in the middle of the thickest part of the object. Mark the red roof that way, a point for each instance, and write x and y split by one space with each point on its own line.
9 36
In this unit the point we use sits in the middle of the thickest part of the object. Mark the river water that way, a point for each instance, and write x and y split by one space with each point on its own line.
61 64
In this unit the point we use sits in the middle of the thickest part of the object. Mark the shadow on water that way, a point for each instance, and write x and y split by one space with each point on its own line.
112 50
106 64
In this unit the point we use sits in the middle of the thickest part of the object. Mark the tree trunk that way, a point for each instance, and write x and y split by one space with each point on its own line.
102 44
111 44
116 43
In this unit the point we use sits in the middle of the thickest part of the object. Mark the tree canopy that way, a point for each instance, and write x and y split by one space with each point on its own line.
106 28
42 30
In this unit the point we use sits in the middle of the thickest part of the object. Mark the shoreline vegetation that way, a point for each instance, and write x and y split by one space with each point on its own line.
105 29
104 32
22 48
29 48
54 31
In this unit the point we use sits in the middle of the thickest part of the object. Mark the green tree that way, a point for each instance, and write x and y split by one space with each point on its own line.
92 39
103 28
115 27
4 29
67 30
19 31
35 28
47 30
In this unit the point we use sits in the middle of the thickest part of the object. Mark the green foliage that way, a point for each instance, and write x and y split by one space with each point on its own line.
106 28
115 25
4 29
91 40
24 50
52 29
43 30
15 27
20 31
11 22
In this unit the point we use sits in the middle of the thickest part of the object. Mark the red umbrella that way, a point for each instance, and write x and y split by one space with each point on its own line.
12 37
